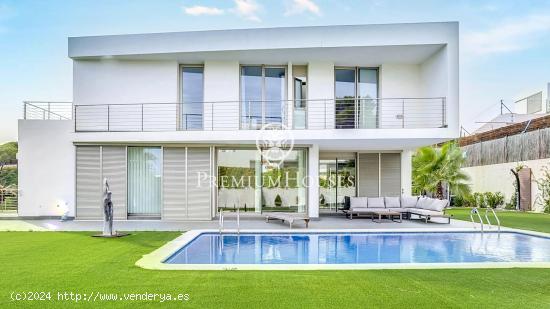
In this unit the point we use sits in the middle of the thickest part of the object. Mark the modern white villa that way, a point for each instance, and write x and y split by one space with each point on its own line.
172 120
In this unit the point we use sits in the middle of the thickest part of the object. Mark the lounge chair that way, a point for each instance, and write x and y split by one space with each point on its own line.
288 217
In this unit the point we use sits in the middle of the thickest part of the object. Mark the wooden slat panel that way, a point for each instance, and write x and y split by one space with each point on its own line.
88 183
390 172
174 184
198 194
114 169
368 174
525 188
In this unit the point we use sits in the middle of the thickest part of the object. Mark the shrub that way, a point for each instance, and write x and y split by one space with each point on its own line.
278 201
493 200
459 201
543 185
478 200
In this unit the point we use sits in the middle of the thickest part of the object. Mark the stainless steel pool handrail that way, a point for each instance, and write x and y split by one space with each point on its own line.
496 218
475 211
221 221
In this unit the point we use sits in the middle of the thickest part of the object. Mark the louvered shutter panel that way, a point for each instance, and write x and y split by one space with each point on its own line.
174 194
390 170
88 183
198 194
114 169
368 174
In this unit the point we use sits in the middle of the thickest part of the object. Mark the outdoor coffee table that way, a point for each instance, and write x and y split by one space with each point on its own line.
388 213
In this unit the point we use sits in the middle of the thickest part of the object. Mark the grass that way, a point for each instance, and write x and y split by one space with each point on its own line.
67 261
522 220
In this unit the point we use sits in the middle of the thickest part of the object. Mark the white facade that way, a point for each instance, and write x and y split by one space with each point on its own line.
127 92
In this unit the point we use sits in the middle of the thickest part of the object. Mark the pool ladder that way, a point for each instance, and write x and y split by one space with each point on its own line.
476 212
221 221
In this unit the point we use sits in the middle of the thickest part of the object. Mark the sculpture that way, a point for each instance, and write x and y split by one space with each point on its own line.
107 210
108 214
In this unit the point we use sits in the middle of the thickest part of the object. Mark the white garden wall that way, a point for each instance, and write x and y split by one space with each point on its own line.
498 178
46 168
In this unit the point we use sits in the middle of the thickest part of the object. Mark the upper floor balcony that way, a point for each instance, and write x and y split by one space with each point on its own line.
300 114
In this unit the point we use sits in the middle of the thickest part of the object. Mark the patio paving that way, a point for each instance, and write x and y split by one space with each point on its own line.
252 222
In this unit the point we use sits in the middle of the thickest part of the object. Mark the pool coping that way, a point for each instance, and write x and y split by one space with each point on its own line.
155 259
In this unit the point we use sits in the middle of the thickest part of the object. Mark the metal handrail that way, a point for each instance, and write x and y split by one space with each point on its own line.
234 101
495 215
45 111
333 113
247 115
475 211
221 221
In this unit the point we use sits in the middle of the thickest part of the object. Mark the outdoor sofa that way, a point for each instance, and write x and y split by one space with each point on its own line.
423 207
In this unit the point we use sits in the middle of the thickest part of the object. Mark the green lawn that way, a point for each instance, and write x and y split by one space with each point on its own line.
65 262
521 220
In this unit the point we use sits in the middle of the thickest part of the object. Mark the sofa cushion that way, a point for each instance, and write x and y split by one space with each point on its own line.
376 202
425 212
358 202
439 205
361 209
392 202
409 201
398 209
424 203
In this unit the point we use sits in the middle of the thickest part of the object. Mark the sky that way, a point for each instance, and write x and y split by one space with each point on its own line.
504 45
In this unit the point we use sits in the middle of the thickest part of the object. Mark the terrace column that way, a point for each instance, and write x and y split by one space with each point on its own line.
406 172
313 181
258 184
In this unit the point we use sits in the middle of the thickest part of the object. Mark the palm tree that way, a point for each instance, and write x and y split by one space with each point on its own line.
435 167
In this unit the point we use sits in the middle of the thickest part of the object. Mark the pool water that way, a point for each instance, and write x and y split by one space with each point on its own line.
350 248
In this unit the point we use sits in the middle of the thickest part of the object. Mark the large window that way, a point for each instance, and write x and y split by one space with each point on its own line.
246 180
356 93
263 95
191 98
144 181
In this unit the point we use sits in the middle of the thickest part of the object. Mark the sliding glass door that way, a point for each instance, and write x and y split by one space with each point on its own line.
367 95
263 95
192 97
144 181
299 73
284 185
344 109
356 94
249 182
336 180
274 95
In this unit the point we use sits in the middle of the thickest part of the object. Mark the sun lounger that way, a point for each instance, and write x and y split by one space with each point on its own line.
288 217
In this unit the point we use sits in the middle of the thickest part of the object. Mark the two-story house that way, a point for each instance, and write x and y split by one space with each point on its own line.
173 120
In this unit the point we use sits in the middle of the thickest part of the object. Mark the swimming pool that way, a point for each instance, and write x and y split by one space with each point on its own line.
372 249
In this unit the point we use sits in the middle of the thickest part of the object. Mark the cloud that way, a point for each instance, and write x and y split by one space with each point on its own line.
518 34
247 9
202 10
300 6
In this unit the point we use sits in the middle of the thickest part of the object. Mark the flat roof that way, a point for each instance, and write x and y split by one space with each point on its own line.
427 37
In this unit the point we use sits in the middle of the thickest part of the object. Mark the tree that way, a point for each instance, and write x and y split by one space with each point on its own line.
433 168
8 153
